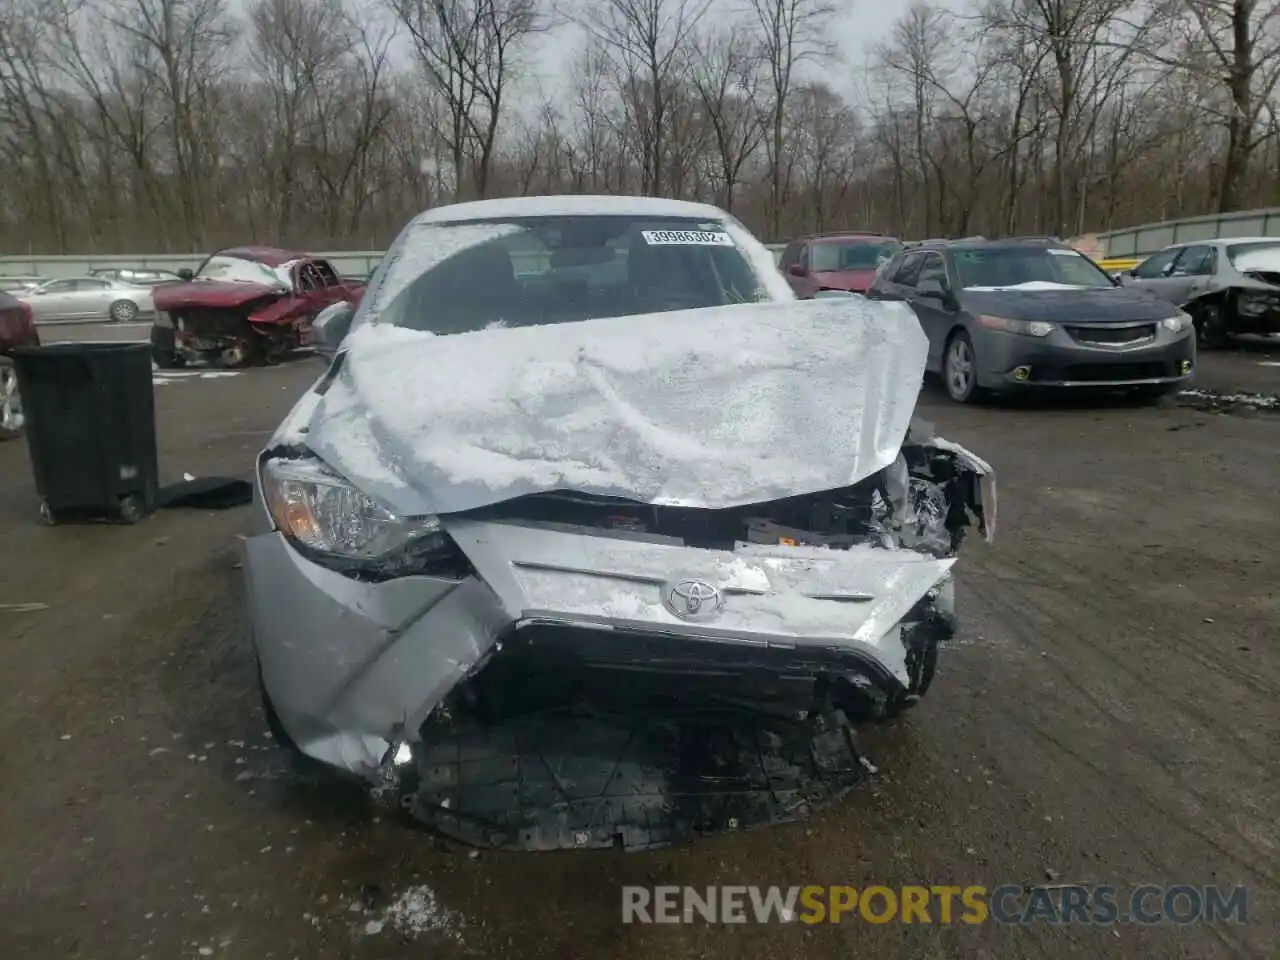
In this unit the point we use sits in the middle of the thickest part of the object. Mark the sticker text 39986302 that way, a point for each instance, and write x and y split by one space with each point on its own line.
700 238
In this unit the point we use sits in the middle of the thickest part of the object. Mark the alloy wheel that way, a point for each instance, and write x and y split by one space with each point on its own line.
959 368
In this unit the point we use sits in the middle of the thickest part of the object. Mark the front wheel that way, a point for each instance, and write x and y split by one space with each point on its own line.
1211 328
960 369
123 311
11 418
164 350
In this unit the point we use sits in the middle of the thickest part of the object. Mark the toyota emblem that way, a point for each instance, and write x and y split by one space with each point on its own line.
693 600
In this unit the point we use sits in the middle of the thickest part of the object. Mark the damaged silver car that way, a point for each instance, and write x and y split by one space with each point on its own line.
1229 286
580 464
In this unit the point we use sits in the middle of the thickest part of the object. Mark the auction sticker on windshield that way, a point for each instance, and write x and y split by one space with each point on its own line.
702 238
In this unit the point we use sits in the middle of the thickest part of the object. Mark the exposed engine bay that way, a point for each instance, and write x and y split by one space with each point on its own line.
567 737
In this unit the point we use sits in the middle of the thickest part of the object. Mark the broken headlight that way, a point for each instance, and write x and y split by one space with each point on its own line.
1177 323
322 512
1253 304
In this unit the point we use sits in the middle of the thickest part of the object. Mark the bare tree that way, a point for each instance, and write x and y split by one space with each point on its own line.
791 33
150 125
468 49
726 73
648 39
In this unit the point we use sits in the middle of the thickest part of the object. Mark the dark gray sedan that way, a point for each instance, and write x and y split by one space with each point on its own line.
1004 315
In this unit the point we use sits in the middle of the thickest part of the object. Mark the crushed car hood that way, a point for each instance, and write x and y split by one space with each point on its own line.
1066 305
701 408
211 293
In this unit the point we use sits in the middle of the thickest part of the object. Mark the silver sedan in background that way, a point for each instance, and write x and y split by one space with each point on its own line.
89 298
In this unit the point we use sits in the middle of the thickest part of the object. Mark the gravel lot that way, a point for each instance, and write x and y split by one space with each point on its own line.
1109 716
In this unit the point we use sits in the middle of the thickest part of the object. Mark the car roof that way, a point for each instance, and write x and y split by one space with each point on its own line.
1005 243
852 235
570 206
270 256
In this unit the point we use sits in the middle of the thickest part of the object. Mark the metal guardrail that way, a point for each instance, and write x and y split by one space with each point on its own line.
1147 238
349 263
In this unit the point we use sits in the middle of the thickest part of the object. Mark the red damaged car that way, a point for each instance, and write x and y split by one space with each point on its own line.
245 306
835 261
17 329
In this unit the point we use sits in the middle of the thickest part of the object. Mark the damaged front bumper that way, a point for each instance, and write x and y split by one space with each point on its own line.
353 666
625 636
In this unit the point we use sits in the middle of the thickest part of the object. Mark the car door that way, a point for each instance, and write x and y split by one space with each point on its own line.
1191 273
900 283
803 283
92 298
53 300
936 315
1152 274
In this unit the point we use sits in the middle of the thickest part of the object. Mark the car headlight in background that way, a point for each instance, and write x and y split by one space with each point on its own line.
1177 323
1025 328
340 526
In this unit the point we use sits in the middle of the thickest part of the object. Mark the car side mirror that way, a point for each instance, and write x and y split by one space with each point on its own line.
796 270
933 290
331 326
186 273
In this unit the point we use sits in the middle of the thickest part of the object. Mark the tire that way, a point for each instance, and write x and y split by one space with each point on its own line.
162 350
1211 330
11 418
960 369
123 311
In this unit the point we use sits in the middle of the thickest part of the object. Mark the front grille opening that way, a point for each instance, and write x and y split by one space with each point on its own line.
1112 335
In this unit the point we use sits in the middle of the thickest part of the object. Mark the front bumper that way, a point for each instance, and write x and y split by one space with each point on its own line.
354 669
1011 361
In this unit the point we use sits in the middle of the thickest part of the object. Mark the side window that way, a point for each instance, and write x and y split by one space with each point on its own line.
907 271
790 255
1155 265
932 268
93 284
60 286
1194 262
803 254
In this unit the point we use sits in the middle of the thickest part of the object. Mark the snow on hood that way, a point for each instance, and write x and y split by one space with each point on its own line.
1035 285
1266 260
705 408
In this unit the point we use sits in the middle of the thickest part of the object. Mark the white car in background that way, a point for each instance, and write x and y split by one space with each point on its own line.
88 298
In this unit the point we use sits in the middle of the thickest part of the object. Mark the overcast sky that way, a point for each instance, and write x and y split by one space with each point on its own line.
856 27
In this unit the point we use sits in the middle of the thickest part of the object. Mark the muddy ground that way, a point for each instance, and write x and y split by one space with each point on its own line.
1108 716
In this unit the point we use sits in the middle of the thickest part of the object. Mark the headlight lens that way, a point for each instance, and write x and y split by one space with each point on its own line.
323 512
1025 328
1255 304
1177 323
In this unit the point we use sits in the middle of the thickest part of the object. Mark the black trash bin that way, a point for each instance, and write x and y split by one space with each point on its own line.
91 429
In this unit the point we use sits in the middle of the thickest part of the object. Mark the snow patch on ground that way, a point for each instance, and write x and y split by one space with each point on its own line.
1213 398
418 911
